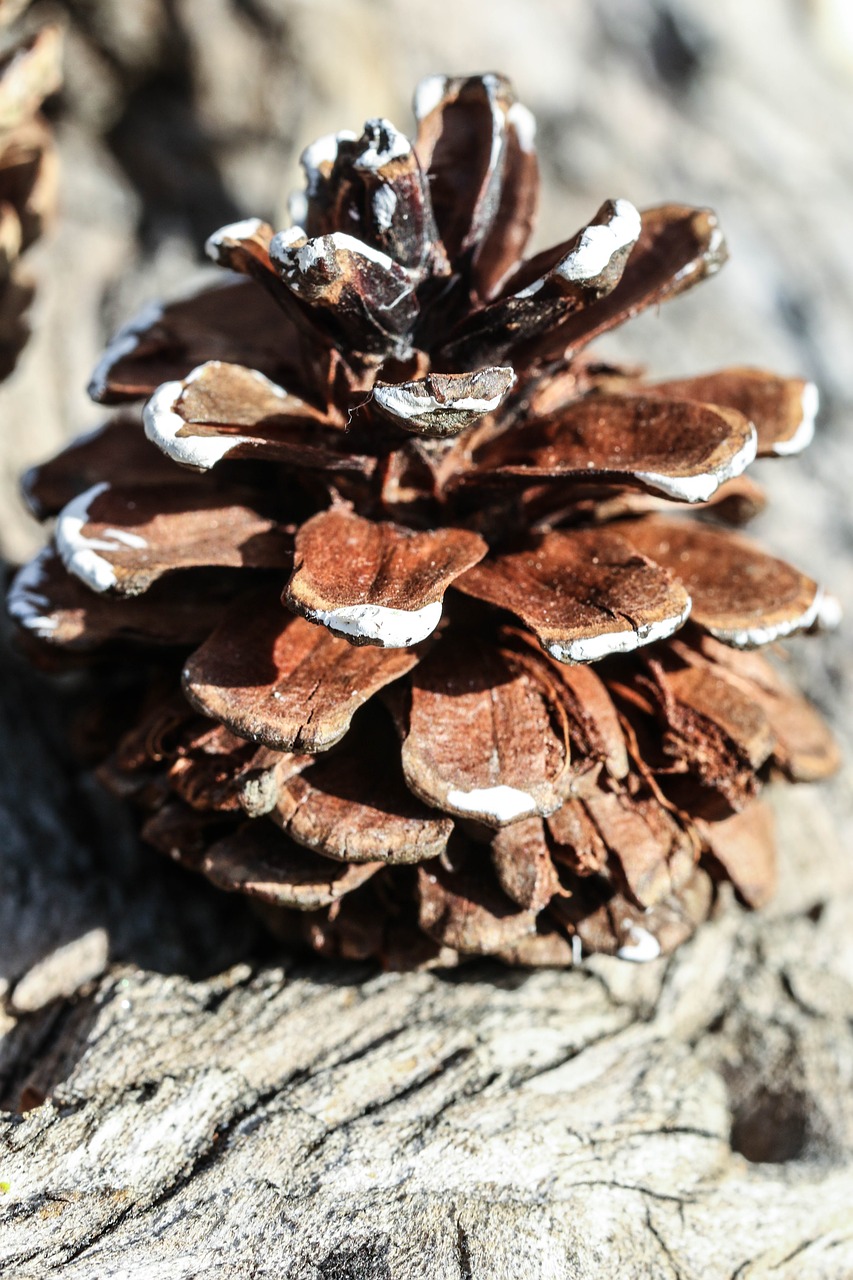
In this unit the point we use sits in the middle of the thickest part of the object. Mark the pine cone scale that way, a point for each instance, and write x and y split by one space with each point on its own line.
126 539
468 141
584 593
376 583
782 410
487 737
277 680
444 405
741 595
224 411
257 860
681 450
235 322
678 248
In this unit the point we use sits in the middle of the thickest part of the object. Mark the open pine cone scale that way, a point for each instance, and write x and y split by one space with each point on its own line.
409 511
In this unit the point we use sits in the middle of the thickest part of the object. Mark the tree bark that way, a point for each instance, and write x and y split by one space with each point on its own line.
179 1098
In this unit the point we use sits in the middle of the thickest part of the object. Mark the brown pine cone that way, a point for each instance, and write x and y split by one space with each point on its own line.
409 512
30 71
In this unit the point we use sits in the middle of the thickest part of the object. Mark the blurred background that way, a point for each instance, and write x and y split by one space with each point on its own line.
179 115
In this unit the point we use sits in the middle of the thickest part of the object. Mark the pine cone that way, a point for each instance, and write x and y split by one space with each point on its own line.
410 512
29 72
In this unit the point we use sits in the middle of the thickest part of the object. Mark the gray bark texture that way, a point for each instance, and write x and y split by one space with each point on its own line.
178 1098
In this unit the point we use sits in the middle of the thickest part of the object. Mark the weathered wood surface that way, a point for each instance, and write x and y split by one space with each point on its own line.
181 1100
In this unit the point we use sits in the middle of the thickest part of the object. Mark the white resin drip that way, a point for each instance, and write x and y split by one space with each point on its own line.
398 146
594 648
406 404
702 487
600 243
244 230
378 624
298 260
804 433
123 344
27 604
80 554
428 95
500 804
643 946
761 634
127 539
384 207
341 242
290 238
597 246
524 123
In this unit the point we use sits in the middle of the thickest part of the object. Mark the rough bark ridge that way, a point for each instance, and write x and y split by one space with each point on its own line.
177 1098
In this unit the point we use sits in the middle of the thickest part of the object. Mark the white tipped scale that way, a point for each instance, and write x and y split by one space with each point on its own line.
80 554
124 343
804 434
702 487
523 122
322 152
763 634
402 403
27 604
295 260
641 947
285 241
162 426
378 624
341 242
243 230
413 406
428 95
600 243
500 804
376 157
829 612
594 648
716 247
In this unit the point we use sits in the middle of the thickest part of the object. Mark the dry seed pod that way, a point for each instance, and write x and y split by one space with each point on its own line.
381 516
